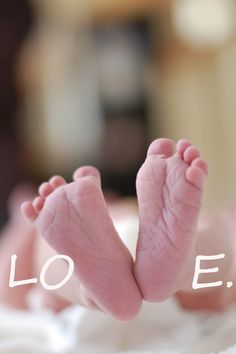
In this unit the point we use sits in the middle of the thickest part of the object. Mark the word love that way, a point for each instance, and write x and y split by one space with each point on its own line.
195 284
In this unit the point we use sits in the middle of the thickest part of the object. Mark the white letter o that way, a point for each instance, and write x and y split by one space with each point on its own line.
46 266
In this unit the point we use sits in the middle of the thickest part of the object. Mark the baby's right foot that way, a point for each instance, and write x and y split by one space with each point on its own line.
170 188
73 218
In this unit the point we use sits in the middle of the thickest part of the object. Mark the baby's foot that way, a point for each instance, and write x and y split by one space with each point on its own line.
73 218
169 188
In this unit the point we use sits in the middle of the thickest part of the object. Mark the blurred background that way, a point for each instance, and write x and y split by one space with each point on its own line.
95 81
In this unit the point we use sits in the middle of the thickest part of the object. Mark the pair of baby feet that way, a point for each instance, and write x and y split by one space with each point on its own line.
74 219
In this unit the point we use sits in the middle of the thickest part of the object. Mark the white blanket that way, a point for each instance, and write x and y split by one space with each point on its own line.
162 329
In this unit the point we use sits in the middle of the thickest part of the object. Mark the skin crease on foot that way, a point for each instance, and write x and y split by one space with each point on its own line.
68 216
74 219
169 190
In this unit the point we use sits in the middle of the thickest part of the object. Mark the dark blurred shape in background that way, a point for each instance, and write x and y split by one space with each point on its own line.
123 52
16 20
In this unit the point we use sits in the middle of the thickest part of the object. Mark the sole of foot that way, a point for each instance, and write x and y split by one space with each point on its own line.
73 218
169 188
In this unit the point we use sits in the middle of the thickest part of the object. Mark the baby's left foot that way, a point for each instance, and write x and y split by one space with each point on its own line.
73 219
169 188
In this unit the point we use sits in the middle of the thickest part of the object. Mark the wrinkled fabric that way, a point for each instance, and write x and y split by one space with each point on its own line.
159 329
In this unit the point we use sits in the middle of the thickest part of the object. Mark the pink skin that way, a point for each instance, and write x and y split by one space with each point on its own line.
73 218
17 238
169 189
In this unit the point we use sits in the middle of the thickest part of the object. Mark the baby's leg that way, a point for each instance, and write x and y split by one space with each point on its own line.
214 237
73 218
170 188
18 237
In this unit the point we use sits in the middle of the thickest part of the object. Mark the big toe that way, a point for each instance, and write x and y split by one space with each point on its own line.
87 171
162 146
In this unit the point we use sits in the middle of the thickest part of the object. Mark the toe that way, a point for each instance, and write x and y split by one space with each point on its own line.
196 176
87 171
163 147
190 154
38 203
202 164
45 189
57 181
29 211
182 145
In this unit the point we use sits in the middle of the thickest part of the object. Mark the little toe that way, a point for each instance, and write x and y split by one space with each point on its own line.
196 176
38 203
182 145
87 171
202 164
190 154
45 189
164 147
29 211
57 181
